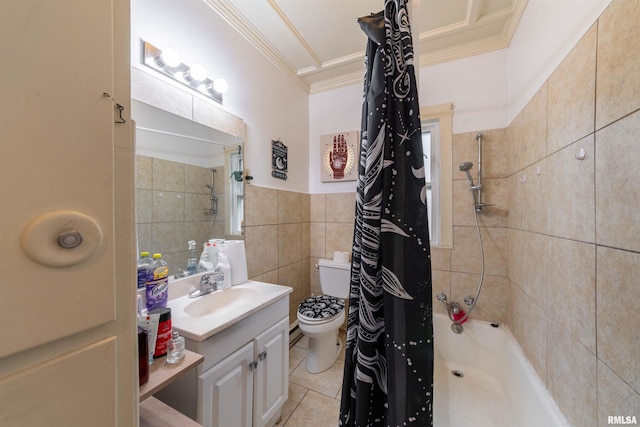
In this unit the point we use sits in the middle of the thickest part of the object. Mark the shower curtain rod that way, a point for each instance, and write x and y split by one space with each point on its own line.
179 135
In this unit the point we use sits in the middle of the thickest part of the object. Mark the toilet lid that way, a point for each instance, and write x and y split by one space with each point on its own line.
321 307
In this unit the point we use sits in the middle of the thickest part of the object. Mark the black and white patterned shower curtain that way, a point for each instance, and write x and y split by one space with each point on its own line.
388 375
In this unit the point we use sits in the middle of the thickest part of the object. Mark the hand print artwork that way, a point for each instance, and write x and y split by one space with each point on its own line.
338 156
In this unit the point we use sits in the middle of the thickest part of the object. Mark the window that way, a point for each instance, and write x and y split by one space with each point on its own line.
430 148
437 135
236 193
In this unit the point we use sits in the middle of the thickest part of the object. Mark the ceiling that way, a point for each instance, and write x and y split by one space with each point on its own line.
320 45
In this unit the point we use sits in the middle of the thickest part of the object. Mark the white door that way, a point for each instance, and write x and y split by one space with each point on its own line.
226 391
272 373
66 178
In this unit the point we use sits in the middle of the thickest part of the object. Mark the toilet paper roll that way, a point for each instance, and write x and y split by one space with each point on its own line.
342 257
237 256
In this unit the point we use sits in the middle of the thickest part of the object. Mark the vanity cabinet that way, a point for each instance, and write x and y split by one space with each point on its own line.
249 387
244 378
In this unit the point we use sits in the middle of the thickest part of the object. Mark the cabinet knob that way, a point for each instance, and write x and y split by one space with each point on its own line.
253 366
262 356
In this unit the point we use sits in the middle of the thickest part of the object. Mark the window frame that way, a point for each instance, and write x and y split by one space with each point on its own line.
443 159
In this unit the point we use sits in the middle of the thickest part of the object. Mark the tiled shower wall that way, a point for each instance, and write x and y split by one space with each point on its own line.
171 199
573 248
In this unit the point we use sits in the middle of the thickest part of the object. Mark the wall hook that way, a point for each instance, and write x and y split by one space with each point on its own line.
120 110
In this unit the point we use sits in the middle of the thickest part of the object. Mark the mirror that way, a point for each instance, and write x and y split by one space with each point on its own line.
189 184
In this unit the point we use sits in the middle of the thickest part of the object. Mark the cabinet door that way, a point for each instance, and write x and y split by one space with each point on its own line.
272 375
226 391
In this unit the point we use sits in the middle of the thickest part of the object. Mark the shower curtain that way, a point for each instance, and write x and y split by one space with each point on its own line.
388 373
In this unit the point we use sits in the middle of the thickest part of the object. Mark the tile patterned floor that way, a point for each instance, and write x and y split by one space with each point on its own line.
314 399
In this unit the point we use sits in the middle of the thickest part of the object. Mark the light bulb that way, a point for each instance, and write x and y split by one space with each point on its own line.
170 58
220 85
198 73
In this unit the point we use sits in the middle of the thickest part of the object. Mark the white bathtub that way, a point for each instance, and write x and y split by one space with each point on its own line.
499 388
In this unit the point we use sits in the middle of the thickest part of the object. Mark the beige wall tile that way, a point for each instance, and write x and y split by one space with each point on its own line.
441 282
167 237
617 191
168 176
317 241
291 275
570 196
532 134
314 277
197 178
618 80
529 323
615 397
317 202
515 263
339 237
618 312
571 287
534 267
268 277
168 206
571 95
196 208
572 378
289 244
340 207
514 142
261 246
144 238
493 300
289 207
495 191
305 207
440 258
144 206
144 172
466 255
261 205
532 183
305 239
514 200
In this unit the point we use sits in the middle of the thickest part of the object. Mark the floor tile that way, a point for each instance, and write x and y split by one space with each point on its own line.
315 410
296 355
327 382
296 393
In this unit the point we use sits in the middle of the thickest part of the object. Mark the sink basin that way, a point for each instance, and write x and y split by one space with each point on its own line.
226 300
201 317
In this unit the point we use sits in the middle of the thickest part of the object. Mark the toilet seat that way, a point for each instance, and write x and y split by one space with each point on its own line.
321 308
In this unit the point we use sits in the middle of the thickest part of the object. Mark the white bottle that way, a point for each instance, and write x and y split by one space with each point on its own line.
205 263
223 264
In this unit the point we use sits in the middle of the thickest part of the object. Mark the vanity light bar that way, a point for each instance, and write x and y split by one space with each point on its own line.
168 62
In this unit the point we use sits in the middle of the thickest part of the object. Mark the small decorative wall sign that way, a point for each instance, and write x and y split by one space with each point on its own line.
338 153
279 160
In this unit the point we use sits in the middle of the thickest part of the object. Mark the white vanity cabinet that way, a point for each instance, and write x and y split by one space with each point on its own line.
244 378
249 387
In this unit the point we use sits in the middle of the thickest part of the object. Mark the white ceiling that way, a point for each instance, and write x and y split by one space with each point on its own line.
320 45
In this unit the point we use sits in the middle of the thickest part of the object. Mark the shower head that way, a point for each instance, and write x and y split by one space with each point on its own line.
465 167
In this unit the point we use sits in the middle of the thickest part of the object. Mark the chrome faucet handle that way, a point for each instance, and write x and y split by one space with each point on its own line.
455 308
442 297
469 300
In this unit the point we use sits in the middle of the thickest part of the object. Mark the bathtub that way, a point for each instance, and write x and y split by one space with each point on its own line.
498 386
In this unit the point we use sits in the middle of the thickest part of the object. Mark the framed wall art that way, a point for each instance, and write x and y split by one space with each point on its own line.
338 155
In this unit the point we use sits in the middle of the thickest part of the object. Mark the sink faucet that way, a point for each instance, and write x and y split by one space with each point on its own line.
208 283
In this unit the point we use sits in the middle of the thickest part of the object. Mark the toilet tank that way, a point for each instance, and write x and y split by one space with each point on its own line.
335 277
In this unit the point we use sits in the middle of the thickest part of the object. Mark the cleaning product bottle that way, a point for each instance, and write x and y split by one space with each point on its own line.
192 261
144 263
205 263
223 264
157 283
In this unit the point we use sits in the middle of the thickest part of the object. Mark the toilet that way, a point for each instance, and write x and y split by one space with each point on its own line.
320 317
